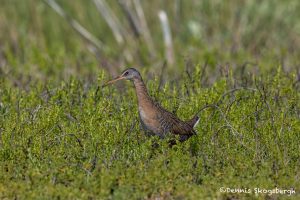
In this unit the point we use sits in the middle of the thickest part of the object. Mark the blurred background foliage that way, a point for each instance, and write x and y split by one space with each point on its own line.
36 43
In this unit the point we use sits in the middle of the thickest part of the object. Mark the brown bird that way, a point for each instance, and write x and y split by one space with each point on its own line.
155 119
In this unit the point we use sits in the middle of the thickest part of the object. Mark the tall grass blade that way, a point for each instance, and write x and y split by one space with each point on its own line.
144 27
77 26
169 53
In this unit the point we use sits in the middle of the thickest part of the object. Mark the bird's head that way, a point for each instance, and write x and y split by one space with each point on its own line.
128 74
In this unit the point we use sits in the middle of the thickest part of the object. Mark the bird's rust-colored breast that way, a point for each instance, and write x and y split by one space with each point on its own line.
148 115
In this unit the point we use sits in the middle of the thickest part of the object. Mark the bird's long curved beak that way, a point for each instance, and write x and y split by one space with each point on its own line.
113 80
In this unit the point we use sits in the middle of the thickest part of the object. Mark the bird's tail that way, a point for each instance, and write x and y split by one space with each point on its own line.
194 121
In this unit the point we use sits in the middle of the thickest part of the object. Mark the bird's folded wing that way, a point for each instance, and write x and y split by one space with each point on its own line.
176 126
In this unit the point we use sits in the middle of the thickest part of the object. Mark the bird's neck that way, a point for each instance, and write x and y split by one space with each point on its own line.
141 92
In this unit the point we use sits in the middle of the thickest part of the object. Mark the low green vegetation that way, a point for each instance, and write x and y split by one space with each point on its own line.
78 141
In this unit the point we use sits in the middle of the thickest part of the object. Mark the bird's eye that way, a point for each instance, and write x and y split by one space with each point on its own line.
126 73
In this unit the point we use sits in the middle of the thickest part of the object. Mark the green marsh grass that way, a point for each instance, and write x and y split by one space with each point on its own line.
78 141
